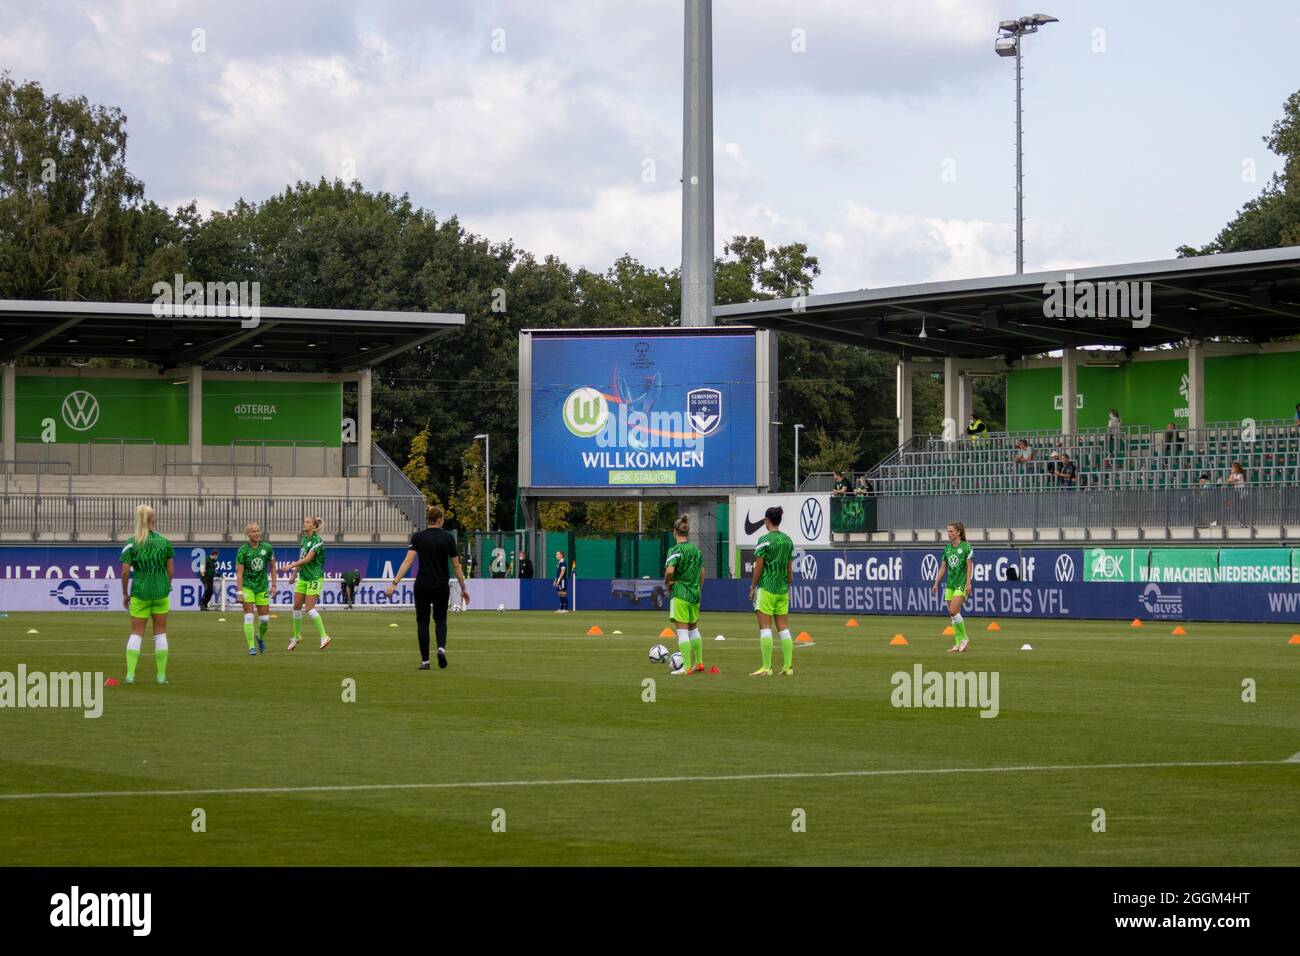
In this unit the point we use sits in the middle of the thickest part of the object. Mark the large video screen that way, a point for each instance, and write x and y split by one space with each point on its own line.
640 409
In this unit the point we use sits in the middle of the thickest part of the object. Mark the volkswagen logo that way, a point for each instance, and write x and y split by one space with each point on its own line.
1064 568
929 567
810 519
806 563
80 410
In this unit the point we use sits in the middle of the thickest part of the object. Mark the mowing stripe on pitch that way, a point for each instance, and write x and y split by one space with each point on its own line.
624 781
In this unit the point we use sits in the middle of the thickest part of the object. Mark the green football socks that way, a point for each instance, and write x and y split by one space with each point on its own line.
160 656
248 631
765 646
133 643
684 647
697 644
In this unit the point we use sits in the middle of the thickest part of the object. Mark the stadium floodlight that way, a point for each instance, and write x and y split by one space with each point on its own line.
796 456
487 481
1009 45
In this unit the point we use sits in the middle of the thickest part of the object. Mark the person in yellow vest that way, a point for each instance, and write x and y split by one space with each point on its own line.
976 430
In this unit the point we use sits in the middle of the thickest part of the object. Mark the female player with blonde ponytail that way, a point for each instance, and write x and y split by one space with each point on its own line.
147 569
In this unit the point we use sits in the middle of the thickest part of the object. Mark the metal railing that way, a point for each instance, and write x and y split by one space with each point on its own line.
42 467
108 517
199 467
385 473
1208 507
261 453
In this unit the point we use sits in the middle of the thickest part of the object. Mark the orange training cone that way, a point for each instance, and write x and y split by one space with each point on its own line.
804 638
1178 630
594 631
1295 639
949 631
1137 622
993 626
667 632
898 640
851 622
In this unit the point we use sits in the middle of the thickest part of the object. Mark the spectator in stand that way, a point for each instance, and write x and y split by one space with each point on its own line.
1204 480
976 431
1237 476
1113 421
1024 452
862 486
525 567
842 486
1113 426
1067 473
1297 413
1173 440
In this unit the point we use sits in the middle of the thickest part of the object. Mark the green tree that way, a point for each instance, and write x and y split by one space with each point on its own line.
834 453
468 500
1272 218
554 515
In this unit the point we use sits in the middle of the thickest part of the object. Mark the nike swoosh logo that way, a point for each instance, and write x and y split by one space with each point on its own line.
752 526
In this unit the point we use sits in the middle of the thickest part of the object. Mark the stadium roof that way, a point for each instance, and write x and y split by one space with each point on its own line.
1255 295
339 339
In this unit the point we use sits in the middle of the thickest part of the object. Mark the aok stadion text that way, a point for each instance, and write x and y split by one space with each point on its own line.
884 591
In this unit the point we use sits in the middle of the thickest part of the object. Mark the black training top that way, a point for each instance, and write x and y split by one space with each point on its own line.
435 548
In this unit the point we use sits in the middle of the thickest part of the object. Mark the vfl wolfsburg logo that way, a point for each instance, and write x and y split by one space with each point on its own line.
80 410
585 412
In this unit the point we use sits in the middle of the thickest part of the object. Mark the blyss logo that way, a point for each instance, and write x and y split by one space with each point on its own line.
704 411
1064 568
585 412
80 410
70 593
810 519
1158 604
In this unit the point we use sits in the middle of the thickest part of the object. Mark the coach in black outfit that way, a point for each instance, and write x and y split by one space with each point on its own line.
436 550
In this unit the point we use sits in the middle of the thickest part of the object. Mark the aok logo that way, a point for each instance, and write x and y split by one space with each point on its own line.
1107 567
80 410
585 412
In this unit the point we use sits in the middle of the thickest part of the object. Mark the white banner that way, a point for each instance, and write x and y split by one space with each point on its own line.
807 519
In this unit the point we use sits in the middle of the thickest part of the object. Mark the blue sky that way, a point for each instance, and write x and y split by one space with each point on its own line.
536 121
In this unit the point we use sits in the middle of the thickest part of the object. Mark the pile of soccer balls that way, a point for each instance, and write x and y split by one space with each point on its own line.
659 655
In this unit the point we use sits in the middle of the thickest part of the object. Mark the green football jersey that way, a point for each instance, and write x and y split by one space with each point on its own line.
314 569
257 564
776 549
149 580
685 561
954 559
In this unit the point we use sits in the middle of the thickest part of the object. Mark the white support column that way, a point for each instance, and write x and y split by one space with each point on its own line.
1069 391
903 401
1195 383
952 400
7 396
196 413
363 417
965 400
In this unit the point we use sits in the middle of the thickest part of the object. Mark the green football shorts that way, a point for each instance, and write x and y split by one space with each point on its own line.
260 598
950 593
684 612
765 602
141 607
309 588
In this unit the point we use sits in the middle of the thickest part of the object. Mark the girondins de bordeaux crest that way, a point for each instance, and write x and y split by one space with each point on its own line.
704 410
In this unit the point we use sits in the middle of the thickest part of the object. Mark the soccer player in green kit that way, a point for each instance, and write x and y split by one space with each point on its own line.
255 582
311 581
147 568
770 592
957 562
682 575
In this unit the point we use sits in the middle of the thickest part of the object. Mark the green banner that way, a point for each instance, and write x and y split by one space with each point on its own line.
261 410
851 514
74 410
1184 565
1255 566
1116 564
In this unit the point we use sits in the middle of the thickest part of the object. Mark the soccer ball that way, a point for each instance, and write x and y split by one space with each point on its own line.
455 608
501 607
658 653
675 662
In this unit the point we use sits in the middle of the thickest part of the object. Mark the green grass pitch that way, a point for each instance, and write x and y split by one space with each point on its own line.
548 725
